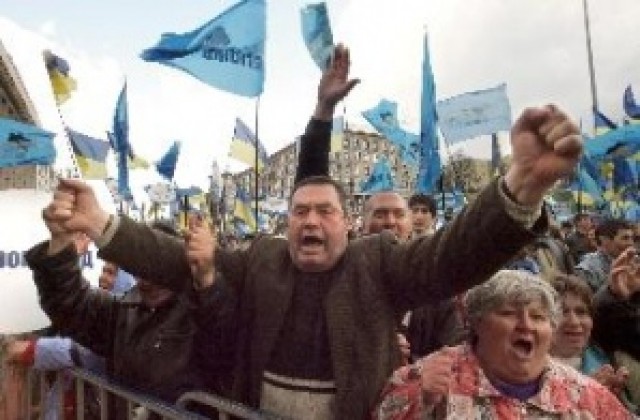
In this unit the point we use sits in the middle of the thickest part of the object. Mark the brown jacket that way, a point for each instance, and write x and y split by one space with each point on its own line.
376 281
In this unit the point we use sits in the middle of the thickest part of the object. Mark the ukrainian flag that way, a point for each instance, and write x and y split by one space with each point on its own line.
91 155
243 146
337 134
61 83
243 210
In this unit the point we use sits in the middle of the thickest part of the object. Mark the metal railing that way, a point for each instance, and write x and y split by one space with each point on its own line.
37 389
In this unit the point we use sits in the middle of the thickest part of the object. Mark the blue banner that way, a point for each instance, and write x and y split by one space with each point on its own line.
24 144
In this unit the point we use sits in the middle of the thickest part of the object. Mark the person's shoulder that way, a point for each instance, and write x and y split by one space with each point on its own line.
268 246
586 392
561 373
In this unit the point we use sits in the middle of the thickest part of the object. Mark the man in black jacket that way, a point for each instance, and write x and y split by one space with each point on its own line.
147 336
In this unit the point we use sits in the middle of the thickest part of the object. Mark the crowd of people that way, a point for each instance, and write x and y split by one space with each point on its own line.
499 313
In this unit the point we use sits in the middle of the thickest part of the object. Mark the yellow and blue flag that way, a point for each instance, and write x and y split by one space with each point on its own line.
62 83
227 52
91 154
623 174
243 146
586 190
430 168
337 134
243 210
316 33
24 144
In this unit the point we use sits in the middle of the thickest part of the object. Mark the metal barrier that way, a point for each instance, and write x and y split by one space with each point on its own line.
37 391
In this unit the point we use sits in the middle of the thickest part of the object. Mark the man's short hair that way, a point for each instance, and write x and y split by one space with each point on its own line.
425 200
580 216
322 180
609 228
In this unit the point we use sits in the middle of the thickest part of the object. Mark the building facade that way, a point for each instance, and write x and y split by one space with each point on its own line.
16 104
351 163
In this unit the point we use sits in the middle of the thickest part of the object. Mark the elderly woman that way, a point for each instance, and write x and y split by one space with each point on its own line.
505 371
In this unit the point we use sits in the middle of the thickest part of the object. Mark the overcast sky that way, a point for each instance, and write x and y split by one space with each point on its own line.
536 47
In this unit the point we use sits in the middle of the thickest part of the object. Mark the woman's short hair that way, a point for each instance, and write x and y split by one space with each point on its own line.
564 284
519 287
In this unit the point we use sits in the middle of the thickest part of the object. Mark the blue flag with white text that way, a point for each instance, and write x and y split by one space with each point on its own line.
24 144
384 118
227 52
316 32
381 178
475 113
430 165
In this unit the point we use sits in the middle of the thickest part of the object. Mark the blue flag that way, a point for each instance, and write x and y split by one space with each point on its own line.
629 103
24 144
602 123
384 118
316 32
227 52
623 141
380 179
166 166
430 165
475 113
591 167
119 139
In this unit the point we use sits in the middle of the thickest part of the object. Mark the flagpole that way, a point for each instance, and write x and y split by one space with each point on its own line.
256 162
592 73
